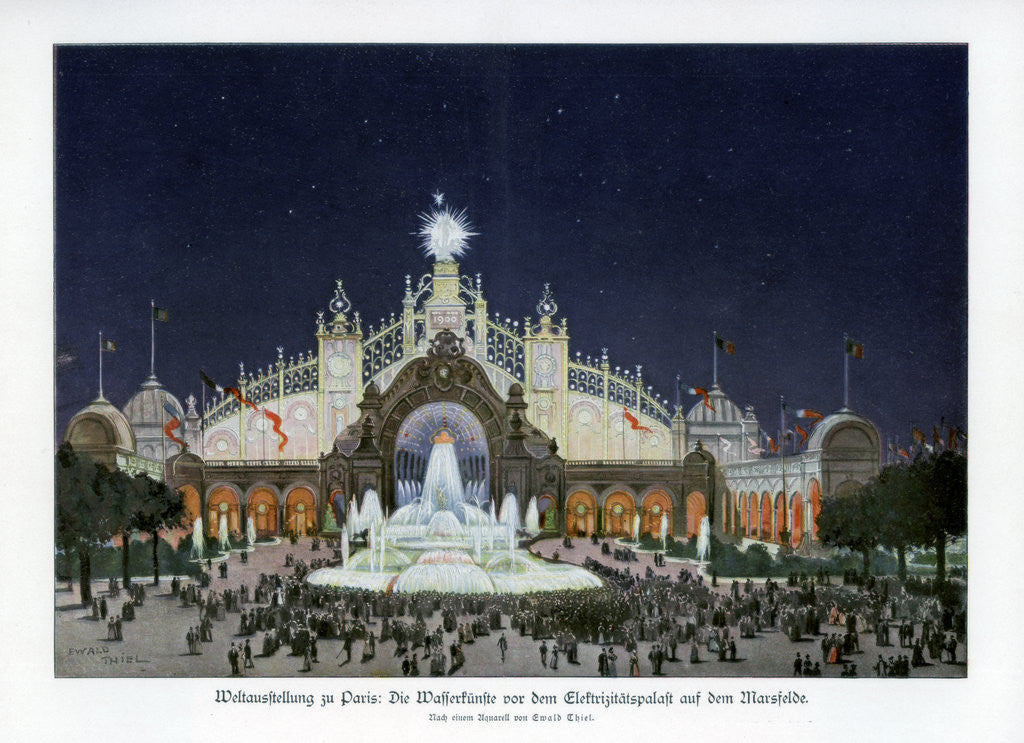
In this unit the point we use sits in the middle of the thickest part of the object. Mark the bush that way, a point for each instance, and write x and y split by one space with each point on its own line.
106 561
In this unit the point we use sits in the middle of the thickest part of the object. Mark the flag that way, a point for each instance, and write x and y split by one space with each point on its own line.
918 435
803 434
814 415
772 446
952 438
754 448
936 436
276 420
854 349
903 453
703 393
108 345
724 443
173 424
727 346
159 314
633 422
230 390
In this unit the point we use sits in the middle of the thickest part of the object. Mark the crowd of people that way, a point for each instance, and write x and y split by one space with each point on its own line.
640 621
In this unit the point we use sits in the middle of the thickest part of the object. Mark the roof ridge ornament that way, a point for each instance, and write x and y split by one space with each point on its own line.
546 307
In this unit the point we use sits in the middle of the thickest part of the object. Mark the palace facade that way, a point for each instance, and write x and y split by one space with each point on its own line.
528 416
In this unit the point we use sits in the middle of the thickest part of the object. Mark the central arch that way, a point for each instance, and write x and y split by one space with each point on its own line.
262 511
300 511
619 508
656 504
781 517
696 510
797 509
580 514
766 517
223 501
414 443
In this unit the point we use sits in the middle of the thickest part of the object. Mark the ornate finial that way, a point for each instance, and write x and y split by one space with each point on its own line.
479 283
280 352
241 368
638 368
320 322
546 307
339 304
445 232
191 402
604 354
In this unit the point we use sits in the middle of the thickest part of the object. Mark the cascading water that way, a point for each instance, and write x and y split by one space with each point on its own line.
250 532
198 540
436 540
636 528
704 540
222 533
664 530
532 516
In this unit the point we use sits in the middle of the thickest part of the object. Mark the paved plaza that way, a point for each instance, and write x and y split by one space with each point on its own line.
154 643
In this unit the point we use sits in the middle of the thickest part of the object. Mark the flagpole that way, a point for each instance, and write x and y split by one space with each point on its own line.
846 372
101 364
202 423
714 358
152 338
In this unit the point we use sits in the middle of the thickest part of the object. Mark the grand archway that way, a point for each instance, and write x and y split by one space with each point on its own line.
619 508
192 504
753 516
766 517
781 514
223 501
414 442
547 511
797 509
657 504
696 510
743 532
815 508
580 514
262 511
300 511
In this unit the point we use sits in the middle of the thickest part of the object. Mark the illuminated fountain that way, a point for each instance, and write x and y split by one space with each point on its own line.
444 540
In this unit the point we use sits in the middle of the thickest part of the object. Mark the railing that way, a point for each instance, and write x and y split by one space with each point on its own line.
623 462
589 378
262 463
383 348
298 375
505 349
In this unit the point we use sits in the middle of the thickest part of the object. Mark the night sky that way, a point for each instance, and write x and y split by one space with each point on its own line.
781 195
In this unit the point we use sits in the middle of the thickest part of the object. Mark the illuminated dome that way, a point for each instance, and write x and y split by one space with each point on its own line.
98 428
726 411
845 430
147 416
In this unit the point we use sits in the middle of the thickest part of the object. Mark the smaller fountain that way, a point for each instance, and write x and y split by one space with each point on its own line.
222 533
198 546
704 541
250 532
664 531
636 527
532 516
344 548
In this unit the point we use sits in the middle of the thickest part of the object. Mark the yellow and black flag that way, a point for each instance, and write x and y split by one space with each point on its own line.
160 314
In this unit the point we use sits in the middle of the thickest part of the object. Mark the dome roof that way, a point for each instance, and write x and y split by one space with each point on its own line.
99 425
844 429
726 411
146 408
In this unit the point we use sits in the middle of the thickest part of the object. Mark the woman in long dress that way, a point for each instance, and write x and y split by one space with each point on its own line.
612 657
694 656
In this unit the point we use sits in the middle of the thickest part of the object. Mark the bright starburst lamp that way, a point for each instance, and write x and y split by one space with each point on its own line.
445 233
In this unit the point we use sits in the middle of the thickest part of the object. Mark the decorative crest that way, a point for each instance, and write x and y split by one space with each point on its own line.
339 305
445 232
280 352
546 307
191 402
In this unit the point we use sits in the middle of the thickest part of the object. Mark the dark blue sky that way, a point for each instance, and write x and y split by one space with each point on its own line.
782 195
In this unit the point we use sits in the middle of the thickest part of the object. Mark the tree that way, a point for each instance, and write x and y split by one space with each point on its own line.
851 520
944 509
82 513
159 507
121 496
899 507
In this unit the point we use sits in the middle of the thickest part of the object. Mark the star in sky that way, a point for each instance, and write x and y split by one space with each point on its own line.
438 198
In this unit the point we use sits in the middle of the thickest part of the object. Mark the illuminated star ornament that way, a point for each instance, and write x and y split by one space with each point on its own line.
438 198
445 233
